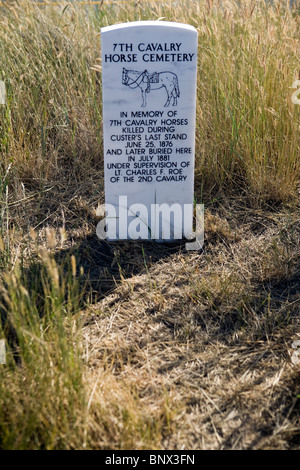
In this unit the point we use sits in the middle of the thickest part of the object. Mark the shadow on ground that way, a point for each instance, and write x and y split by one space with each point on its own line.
104 266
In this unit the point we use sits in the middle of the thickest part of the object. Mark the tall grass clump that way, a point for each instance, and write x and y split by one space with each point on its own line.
41 385
52 121
247 127
49 397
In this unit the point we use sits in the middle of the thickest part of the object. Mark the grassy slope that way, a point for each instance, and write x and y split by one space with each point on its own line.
139 346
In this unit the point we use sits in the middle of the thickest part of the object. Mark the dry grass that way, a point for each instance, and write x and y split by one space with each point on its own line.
145 346
213 331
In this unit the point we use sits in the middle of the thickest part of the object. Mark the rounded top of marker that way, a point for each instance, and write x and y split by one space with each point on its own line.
171 24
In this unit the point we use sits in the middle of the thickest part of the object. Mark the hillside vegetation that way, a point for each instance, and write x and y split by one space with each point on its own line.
142 345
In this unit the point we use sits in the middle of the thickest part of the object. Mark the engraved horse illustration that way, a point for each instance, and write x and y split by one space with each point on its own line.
152 81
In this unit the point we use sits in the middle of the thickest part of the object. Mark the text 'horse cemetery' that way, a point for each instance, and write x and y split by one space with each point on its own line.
149 72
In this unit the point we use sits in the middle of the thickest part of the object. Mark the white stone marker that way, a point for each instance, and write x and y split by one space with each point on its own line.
149 71
2 352
2 92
